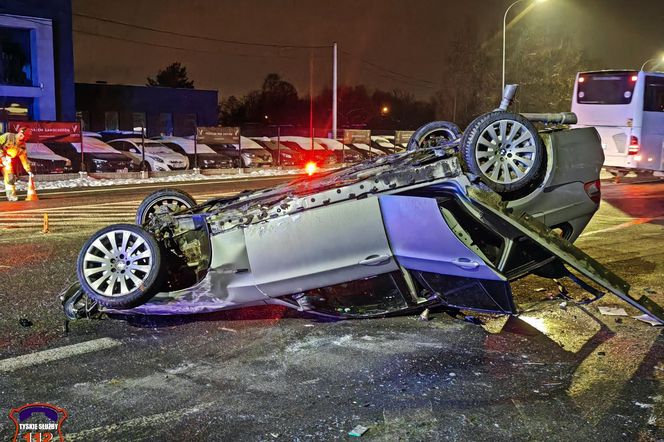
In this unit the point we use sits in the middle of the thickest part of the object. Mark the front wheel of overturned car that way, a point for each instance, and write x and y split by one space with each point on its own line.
120 266
433 134
504 150
163 201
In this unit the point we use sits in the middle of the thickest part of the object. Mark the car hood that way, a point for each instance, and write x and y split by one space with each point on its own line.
169 157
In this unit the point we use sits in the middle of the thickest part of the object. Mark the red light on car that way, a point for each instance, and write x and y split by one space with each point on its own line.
633 148
311 168
594 191
582 79
634 77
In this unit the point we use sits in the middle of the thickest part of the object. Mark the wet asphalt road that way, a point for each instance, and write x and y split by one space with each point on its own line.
273 374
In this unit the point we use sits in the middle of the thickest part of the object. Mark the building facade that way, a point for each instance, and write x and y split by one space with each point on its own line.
36 60
161 110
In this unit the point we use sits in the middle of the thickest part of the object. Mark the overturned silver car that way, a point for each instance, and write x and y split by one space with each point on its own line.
448 223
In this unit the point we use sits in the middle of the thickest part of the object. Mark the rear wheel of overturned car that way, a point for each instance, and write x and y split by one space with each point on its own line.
163 201
504 150
120 266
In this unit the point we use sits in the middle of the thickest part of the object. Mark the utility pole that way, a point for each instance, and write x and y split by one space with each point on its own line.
334 92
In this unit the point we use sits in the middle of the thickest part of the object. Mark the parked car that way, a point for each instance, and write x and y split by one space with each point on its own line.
207 158
310 150
98 156
282 155
393 234
385 144
43 160
365 150
253 154
342 153
157 156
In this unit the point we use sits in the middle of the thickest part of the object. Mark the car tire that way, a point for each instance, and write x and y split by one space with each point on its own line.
120 266
504 166
432 134
144 166
163 201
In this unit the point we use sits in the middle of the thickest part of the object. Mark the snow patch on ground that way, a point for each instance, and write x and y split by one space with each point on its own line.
102 182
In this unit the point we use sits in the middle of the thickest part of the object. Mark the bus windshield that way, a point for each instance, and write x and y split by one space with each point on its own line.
606 87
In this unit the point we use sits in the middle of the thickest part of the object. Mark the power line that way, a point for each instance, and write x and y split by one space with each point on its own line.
393 75
179 48
393 72
200 37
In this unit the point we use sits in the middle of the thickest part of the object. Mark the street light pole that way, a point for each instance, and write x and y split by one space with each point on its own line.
661 60
334 92
504 35
504 39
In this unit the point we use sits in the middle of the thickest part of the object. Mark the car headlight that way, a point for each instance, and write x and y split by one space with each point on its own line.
157 159
285 155
99 161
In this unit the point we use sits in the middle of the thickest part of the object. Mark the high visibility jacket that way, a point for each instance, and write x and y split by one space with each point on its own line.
12 148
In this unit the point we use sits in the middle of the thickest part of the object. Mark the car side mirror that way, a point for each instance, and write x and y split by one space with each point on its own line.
133 150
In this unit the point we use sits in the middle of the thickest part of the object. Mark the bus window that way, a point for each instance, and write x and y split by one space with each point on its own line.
606 88
654 97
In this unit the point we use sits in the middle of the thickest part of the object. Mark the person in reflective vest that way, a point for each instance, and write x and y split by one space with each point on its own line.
12 145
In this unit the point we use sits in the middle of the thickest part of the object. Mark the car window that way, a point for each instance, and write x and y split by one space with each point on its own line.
175 147
606 87
654 96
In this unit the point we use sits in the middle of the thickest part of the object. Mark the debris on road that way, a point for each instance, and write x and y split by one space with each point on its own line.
425 315
540 289
648 320
612 311
25 322
358 431
563 305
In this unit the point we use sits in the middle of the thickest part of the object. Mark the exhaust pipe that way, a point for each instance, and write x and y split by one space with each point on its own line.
508 96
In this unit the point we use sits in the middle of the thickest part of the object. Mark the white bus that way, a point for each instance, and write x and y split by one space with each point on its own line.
627 109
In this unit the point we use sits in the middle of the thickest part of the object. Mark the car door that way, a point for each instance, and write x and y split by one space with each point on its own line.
427 239
319 247
422 240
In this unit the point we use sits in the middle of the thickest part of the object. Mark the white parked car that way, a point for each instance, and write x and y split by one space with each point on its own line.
157 156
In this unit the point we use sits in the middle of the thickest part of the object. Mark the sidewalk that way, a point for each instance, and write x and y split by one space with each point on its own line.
70 181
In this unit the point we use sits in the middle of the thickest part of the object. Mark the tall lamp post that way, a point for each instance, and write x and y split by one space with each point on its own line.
504 35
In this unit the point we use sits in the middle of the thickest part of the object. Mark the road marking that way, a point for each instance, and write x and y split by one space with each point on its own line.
85 215
160 419
55 354
634 222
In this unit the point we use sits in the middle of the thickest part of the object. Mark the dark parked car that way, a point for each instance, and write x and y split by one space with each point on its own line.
289 157
43 160
342 153
310 150
98 156
253 154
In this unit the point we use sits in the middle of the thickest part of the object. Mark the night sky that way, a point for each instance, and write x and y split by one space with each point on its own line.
407 37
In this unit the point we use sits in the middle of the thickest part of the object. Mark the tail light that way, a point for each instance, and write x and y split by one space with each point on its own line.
633 148
593 190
